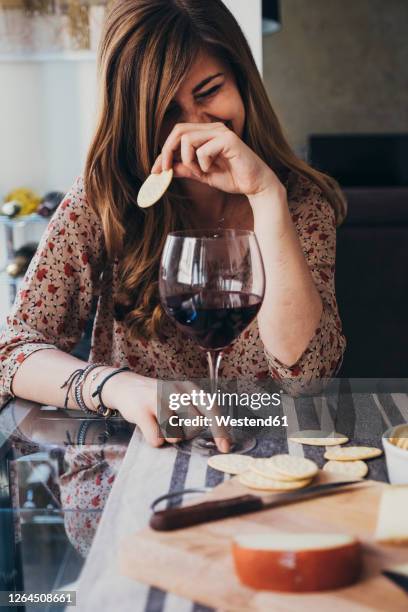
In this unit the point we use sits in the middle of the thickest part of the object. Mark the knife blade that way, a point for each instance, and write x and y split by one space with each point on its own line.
204 512
399 575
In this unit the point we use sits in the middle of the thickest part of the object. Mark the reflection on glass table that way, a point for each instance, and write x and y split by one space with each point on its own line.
57 468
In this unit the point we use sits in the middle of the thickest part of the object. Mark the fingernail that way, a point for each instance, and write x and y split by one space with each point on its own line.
224 445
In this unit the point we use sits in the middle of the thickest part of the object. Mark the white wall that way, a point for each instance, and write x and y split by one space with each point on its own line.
248 13
47 109
46 115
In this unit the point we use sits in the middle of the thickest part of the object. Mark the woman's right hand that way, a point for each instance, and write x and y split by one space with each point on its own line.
136 397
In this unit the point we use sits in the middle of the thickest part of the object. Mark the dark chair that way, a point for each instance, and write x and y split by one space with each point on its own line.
372 248
372 282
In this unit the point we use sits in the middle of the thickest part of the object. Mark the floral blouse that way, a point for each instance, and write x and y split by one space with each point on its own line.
69 268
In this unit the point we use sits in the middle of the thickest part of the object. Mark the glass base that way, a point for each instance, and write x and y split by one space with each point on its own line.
205 446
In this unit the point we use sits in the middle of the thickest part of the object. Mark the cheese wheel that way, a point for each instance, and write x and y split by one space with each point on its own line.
296 562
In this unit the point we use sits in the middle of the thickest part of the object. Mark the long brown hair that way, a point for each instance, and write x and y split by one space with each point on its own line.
146 50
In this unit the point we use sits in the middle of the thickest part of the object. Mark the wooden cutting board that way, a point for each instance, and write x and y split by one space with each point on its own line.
196 562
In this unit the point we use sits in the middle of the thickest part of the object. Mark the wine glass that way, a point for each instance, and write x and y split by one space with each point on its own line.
212 284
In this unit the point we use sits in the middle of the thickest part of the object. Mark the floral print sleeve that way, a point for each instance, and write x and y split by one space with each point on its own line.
315 223
55 299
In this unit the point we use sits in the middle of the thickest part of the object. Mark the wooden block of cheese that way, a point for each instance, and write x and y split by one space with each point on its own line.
392 522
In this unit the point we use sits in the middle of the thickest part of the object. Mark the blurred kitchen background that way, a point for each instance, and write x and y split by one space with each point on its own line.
336 73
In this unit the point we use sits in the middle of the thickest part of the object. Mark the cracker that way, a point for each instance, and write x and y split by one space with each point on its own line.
153 188
400 436
352 453
402 443
256 481
353 469
318 438
285 468
231 463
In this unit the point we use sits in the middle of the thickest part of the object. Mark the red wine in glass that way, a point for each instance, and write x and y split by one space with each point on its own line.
212 284
213 319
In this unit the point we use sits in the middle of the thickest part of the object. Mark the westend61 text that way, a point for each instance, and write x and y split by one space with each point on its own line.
228 421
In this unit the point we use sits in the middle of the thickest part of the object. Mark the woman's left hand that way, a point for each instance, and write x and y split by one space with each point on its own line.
213 154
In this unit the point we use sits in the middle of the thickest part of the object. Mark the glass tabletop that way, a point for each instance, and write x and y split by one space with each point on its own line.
57 468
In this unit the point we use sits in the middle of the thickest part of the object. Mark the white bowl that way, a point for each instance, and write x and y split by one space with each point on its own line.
396 458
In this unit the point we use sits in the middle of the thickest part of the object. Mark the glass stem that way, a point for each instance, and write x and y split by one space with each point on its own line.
214 360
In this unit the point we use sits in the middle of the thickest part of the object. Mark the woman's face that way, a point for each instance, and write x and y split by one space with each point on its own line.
207 94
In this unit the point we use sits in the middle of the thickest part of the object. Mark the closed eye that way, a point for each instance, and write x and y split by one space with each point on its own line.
207 93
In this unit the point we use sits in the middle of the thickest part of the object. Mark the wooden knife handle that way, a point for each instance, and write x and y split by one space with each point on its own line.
177 518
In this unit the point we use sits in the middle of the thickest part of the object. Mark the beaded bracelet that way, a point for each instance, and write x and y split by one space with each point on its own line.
78 387
83 428
93 377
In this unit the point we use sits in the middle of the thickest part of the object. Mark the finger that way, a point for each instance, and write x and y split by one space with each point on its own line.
188 154
221 437
172 433
173 140
150 429
223 444
157 166
207 152
191 430
220 432
181 171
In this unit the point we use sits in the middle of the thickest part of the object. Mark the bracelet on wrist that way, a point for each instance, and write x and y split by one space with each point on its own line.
78 387
102 408
94 376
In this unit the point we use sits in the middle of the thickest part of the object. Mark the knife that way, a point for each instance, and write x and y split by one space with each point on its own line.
399 575
186 516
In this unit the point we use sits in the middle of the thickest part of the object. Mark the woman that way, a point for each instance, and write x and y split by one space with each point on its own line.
179 88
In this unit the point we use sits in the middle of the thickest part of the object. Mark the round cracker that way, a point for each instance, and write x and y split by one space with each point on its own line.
285 468
402 443
231 463
153 188
268 471
352 453
399 436
256 481
352 469
318 438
